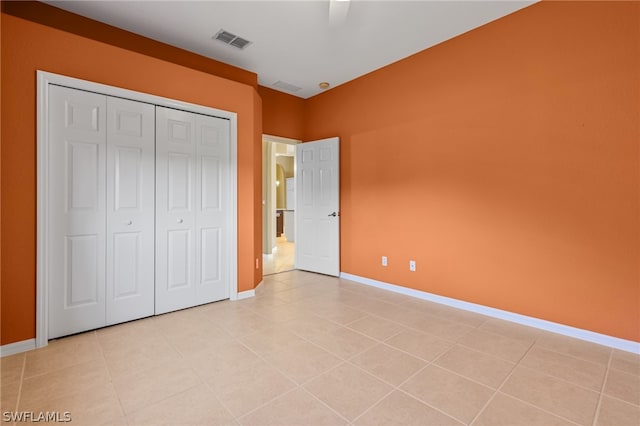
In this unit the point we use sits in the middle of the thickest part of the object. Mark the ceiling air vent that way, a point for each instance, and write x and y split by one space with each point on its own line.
286 86
231 39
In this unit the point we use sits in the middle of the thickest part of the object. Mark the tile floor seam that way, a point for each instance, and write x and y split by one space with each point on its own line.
462 422
625 372
326 405
520 341
383 380
145 406
398 388
374 338
558 378
497 390
420 331
294 381
104 358
604 382
332 353
413 355
537 408
621 400
543 409
600 364
248 413
215 395
22 370
372 406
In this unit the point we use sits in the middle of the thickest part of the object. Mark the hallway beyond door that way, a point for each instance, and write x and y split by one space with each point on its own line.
282 258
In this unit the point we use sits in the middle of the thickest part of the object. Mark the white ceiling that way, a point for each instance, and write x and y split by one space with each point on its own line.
294 41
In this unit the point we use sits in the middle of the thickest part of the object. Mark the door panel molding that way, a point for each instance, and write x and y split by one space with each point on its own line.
127 124
318 206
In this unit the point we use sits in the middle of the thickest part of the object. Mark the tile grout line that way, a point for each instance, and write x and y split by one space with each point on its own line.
497 390
518 364
574 356
233 416
399 389
343 362
326 405
104 358
596 414
22 370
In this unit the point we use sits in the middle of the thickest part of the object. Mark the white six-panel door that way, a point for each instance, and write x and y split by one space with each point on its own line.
139 211
318 206
76 207
213 202
192 209
130 210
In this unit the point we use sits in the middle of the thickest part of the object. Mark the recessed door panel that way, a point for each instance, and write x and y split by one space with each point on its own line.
179 181
130 210
128 177
178 259
82 175
307 187
325 191
83 116
210 136
128 123
211 250
127 257
75 220
324 246
179 131
81 269
211 182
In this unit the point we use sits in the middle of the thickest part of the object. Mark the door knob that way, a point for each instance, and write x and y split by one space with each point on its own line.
180 220
129 223
334 214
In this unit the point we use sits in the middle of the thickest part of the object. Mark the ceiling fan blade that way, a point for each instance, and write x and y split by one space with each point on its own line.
338 10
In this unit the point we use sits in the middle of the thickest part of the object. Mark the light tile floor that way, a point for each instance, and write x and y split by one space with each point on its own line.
281 260
316 350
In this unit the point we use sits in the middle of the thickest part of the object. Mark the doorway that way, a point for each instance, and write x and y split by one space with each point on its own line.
278 204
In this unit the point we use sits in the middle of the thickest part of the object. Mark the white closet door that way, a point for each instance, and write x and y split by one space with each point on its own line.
130 210
76 211
212 214
193 227
175 212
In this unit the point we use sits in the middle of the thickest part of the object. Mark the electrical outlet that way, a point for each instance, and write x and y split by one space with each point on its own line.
412 265
384 260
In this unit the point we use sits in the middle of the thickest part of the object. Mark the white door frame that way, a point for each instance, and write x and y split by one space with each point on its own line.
268 194
44 79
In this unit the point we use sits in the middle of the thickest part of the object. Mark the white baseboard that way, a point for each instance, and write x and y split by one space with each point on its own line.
17 347
246 294
578 333
259 286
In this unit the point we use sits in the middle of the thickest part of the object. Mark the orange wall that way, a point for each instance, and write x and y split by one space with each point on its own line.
282 114
29 46
505 162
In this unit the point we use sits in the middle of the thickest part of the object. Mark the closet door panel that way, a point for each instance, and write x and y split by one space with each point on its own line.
76 211
130 210
212 218
175 210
